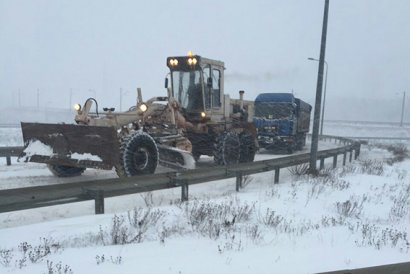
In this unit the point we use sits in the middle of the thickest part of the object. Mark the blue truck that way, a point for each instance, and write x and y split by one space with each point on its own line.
282 121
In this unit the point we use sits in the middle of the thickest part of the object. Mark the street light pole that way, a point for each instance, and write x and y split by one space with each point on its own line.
324 95
318 100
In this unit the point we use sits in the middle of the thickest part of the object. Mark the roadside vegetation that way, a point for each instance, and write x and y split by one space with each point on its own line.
366 203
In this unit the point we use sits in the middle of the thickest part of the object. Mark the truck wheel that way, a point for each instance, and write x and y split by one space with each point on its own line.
290 149
247 149
227 149
139 155
300 141
65 171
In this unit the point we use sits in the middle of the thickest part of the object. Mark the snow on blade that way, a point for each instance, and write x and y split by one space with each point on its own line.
86 156
36 147
55 135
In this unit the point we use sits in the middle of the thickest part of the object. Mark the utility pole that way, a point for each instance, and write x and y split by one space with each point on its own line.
319 87
324 96
402 108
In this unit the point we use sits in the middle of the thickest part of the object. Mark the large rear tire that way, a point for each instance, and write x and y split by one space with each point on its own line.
65 171
248 148
227 149
139 155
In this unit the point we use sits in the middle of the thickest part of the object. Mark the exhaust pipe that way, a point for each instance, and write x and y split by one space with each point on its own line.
241 92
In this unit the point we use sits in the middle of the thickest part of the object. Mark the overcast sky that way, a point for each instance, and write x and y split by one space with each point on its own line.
94 48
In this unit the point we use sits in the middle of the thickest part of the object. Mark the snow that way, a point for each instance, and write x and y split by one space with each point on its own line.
39 148
85 156
36 147
354 216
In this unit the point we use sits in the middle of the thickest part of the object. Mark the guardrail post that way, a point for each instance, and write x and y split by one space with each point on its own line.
8 160
99 202
183 183
184 192
239 180
276 180
322 163
357 152
98 196
335 161
344 158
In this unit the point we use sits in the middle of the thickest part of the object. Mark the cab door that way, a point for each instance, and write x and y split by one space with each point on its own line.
212 87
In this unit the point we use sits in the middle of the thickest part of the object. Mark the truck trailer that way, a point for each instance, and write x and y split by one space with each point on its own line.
282 121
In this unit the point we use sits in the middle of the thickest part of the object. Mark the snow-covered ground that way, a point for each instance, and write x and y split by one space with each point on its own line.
363 129
355 216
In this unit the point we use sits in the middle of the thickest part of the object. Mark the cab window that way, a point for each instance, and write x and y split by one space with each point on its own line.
216 88
207 75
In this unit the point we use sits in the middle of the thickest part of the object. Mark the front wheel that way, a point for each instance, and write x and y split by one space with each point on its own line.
65 171
139 155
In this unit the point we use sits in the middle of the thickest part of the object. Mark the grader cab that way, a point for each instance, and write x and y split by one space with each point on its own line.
218 125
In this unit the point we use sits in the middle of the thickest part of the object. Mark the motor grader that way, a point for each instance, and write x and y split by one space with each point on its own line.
195 118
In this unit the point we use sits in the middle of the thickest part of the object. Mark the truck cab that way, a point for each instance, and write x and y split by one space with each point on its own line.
282 121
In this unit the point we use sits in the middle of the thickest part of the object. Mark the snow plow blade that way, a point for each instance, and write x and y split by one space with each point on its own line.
70 145
175 158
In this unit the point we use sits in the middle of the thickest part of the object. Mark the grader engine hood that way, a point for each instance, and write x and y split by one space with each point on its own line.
70 145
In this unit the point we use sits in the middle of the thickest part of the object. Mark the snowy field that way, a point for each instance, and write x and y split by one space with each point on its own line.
361 129
354 216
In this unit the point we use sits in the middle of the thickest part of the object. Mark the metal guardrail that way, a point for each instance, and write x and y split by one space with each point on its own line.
40 196
9 125
381 138
9 152
401 268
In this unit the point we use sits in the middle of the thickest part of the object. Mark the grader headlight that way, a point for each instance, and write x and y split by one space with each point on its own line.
143 107
192 61
173 62
77 107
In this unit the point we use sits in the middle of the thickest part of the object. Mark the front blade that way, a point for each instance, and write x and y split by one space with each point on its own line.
70 145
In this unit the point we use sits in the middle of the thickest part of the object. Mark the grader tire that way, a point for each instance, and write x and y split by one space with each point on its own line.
138 155
247 149
65 171
227 149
